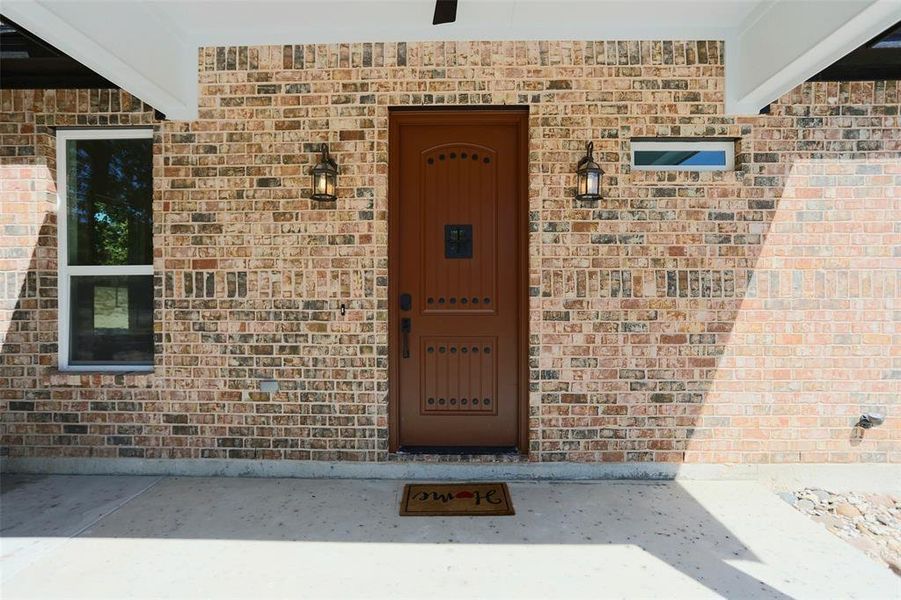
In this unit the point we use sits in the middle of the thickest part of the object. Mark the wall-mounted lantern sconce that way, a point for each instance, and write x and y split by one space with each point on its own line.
325 177
588 177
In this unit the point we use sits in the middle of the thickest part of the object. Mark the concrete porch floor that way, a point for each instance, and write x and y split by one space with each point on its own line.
166 537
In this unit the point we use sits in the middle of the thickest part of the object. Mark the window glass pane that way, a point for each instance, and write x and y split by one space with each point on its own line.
112 320
109 190
645 158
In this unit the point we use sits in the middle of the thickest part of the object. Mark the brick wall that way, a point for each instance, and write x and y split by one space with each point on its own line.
747 316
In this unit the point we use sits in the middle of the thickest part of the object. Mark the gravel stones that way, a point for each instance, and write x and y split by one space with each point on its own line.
870 522
805 505
846 510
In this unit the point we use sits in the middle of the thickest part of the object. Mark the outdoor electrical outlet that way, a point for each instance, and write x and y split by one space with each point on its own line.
269 386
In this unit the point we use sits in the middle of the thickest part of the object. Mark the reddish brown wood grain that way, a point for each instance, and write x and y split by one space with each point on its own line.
463 382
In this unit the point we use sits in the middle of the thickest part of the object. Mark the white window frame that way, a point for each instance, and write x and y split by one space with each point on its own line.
63 285
662 144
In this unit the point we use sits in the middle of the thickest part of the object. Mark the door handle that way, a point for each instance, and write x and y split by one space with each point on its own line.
406 324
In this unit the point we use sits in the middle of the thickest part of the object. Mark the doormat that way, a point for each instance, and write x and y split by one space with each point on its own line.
456 500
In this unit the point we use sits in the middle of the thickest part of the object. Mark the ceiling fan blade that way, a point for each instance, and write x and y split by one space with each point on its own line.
445 12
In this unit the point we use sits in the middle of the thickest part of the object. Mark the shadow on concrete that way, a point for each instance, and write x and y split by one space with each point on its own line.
661 519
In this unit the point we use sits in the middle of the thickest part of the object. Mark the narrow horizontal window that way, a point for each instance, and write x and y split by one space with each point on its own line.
680 155
105 249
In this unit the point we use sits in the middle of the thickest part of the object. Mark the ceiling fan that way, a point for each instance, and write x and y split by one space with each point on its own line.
445 12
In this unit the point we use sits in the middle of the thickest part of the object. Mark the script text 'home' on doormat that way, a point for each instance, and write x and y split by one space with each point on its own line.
456 500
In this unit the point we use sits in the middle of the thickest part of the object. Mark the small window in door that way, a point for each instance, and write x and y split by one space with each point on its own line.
680 155
458 241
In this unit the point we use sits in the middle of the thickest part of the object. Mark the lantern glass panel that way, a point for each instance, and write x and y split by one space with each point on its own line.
592 184
320 184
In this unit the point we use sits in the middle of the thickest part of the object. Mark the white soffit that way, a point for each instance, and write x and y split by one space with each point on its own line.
326 21
786 42
125 42
149 47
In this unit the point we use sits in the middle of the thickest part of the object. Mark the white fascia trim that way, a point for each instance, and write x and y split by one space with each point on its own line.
867 24
44 23
460 33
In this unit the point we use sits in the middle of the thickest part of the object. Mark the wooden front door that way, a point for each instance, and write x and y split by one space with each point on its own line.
457 284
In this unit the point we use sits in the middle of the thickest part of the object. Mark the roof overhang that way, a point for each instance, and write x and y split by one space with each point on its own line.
127 43
790 41
149 47
28 62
